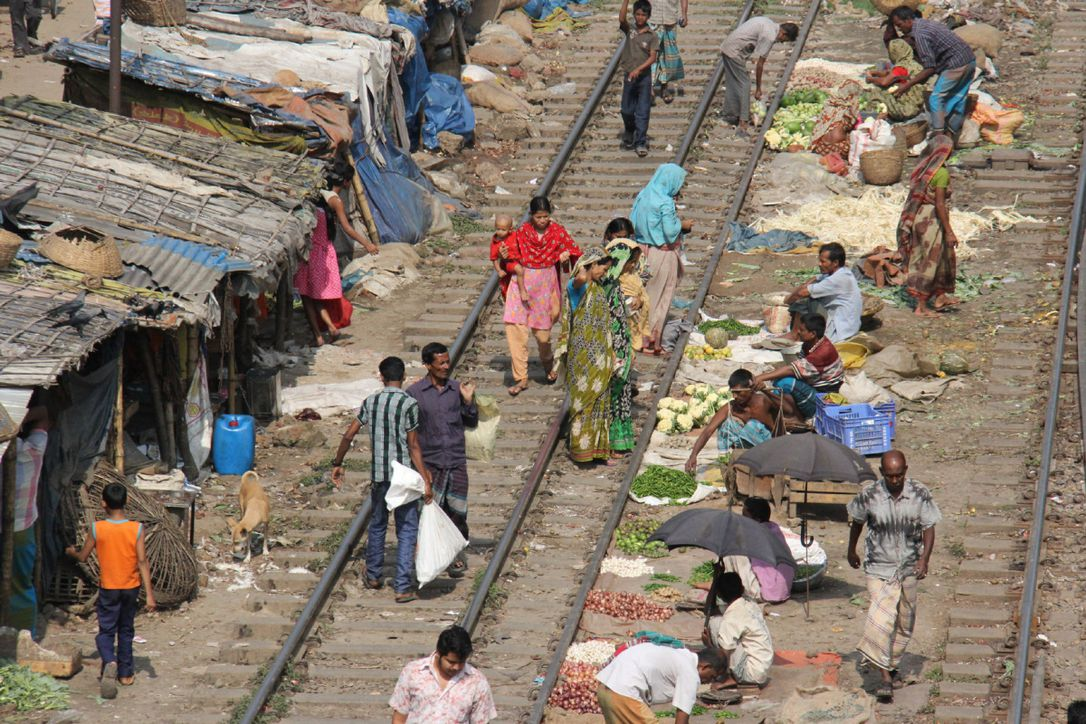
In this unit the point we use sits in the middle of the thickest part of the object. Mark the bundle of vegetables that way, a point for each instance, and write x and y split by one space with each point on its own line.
733 326
702 573
27 691
660 482
706 352
673 417
792 126
676 417
633 537
577 692
626 606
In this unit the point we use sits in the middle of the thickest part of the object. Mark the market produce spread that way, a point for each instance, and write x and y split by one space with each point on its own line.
676 417
633 537
661 482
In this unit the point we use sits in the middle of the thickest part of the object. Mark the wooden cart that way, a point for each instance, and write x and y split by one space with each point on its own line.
782 490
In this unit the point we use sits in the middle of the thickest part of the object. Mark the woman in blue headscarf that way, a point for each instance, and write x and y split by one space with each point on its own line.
659 230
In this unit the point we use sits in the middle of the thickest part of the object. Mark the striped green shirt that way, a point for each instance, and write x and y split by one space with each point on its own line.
389 414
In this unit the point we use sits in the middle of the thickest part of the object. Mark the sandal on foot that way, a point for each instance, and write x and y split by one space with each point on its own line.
374 584
517 389
405 597
885 692
457 569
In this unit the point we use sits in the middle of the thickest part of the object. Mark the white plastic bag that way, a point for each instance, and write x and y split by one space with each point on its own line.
480 440
198 418
406 485
438 544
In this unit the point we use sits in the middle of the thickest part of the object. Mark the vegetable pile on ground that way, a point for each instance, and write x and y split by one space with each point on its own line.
660 482
595 652
663 592
677 417
794 121
626 567
577 692
29 691
732 326
702 573
632 537
706 352
627 606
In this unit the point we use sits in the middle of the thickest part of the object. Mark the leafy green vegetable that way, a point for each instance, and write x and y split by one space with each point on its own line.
734 326
804 571
966 288
702 573
697 710
803 95
650 587
632 538
661 482
665 577
726 714
29 691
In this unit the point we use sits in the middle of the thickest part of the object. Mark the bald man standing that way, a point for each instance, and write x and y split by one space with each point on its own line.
900 516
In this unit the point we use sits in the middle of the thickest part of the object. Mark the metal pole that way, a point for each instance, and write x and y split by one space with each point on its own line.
7 540
593 566
116 14
309 614
1036 532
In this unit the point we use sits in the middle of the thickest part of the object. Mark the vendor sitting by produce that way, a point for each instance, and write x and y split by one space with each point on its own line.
763 582
818 369
839 115
647 673
834 294
741 633
908 105
749 419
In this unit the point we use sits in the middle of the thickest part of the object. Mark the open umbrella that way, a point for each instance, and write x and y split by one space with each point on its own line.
724 533
807 457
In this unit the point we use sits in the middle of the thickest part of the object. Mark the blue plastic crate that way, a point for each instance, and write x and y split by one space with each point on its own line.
860 427
886 408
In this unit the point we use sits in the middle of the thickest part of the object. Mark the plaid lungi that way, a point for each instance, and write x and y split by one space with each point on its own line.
669 64
890 620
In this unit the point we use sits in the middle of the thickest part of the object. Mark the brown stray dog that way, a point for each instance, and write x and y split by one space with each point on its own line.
255 511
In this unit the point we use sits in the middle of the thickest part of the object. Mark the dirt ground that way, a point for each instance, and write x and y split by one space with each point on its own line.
32 75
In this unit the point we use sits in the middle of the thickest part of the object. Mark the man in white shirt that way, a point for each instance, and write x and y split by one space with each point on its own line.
648 673
754 37
834 294
741 633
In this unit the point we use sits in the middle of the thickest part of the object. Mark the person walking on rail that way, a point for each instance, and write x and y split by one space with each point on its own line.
754 37
443 688
900 515
638 56
659 231
392 417
667 17
623 254
620 231
645 673
943 54
541 246
446 408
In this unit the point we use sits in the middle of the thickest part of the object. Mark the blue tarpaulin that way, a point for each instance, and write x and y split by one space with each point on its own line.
745 239
447 109
415 78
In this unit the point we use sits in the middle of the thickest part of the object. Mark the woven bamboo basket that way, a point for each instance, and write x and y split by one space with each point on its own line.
887 6
9 247
156 12
882 167
83 249
915 132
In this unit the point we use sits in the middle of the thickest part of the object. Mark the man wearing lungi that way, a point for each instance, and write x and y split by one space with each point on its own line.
900 516
944 54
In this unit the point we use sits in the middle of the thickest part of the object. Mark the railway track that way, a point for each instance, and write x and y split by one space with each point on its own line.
556 535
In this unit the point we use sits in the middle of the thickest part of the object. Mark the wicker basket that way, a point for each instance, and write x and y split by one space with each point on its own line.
915 132
9 247
882 167
156 12
887 6
83 249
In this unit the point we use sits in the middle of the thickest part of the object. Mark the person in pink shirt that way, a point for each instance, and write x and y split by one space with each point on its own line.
443 688
762 582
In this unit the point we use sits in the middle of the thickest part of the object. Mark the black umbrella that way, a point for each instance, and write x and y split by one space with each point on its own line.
807 457
724 533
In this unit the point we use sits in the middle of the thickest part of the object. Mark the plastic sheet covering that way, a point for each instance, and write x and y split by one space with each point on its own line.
415 78
539 9
400 198
745 240
447 109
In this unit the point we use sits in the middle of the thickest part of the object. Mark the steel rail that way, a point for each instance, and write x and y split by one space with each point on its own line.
1040 501
336 566
592 568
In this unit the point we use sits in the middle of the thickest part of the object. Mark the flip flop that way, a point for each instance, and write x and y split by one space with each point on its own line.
405 597
885 693
517 389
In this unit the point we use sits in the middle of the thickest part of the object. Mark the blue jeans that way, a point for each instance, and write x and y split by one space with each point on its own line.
636 104
407 532
117 621
24 597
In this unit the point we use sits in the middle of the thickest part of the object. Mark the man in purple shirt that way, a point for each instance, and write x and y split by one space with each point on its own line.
447 407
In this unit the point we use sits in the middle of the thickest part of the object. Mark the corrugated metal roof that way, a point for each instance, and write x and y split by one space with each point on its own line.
181 266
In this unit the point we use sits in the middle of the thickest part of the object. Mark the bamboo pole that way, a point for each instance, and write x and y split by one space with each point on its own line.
364 205
118 419
156 399
7 536
216 25
230 339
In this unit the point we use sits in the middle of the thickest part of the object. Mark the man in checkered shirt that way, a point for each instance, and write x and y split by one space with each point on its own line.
943 54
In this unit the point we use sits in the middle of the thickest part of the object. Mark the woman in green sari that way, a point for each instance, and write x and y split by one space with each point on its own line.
590 363
624 255
909 104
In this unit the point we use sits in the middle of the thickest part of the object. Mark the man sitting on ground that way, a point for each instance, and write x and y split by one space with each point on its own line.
751 418
834 294
648 673
818 368
762 581
741 633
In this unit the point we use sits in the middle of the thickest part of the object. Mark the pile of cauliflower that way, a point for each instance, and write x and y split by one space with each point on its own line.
676 417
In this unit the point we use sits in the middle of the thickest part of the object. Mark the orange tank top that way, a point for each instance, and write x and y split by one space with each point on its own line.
117 560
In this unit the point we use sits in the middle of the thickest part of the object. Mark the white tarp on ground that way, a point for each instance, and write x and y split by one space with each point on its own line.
359 65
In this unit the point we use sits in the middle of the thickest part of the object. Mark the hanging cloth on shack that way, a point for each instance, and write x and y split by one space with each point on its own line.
746 240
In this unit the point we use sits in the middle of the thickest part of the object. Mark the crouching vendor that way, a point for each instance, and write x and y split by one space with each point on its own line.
818 369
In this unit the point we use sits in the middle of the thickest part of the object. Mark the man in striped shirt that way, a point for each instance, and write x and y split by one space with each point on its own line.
392 417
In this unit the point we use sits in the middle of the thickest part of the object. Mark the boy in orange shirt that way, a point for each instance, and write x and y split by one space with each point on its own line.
122 561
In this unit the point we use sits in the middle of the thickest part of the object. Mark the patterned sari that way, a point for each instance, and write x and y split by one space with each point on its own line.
931 263
591 363
622 431
840 112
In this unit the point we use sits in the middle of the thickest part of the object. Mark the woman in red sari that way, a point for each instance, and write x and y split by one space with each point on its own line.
541 246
